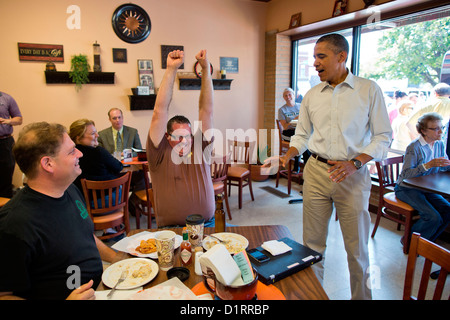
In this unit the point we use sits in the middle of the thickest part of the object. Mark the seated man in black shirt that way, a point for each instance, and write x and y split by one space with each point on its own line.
48 246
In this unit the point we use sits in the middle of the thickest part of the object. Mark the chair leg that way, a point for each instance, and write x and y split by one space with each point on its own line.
149 217
225 195
407 236
228 208
138 219
289 178
250 187
240 194
278 178
126 219
377 222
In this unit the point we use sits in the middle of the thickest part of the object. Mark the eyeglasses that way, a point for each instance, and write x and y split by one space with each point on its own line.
437 128
180 137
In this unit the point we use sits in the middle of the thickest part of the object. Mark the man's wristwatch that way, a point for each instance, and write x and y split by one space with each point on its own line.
357 163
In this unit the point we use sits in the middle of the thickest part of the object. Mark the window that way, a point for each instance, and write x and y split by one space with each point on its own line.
405 53
306 75
407 56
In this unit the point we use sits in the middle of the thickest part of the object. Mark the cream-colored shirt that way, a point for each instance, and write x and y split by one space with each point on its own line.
341 123
440 105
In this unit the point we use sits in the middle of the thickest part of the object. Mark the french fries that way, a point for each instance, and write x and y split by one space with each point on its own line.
147 246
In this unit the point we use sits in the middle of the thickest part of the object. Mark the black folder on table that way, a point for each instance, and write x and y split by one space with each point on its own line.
283 265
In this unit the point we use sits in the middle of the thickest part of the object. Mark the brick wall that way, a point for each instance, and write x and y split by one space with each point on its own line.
277 76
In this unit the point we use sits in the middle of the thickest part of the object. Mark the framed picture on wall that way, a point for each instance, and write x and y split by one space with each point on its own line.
165 50
295 20
119 55
145 72
340 8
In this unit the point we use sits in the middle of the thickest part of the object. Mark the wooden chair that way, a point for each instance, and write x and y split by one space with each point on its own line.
388 205
287 172
432 254
107 204
3 201
237 175
145 200
219 170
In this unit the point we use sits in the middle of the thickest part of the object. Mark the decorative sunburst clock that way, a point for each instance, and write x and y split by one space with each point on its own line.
131 23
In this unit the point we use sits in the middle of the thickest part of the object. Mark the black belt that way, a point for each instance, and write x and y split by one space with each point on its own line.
5 137
315 156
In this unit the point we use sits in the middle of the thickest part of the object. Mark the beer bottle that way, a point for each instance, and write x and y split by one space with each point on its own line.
219 215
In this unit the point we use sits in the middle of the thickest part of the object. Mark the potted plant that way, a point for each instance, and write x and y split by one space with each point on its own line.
79 70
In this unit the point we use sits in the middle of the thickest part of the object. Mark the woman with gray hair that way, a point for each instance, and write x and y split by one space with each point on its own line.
426 155
286 114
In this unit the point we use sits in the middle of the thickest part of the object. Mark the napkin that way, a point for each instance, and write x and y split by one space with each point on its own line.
172 289
219 260
118 294
276 247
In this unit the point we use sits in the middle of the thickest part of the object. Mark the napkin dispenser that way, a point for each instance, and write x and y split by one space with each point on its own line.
219 260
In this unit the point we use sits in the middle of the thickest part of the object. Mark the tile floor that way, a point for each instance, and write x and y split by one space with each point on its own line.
387 259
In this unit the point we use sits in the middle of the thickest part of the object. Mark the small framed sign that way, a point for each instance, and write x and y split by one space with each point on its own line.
143 91
230 65
165 50
119 55
145 70
295 20
340 8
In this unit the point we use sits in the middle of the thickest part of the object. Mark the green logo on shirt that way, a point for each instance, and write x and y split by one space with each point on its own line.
83 212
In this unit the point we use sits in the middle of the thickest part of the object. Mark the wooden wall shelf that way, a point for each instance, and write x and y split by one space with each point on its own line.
195 84
143 102
94 77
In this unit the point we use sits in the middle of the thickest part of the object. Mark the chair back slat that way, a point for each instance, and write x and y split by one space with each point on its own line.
242 151
388 171
219 168
433 254
105 196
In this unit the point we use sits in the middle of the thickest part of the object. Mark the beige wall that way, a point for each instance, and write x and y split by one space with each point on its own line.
228 28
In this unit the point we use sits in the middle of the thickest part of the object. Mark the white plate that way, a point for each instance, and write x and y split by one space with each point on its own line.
136 241
235 243
113 272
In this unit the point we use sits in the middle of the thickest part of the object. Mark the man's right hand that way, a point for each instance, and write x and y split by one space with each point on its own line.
175 59
84 292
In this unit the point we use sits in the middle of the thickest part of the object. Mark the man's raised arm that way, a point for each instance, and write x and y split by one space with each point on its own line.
161 112
206 102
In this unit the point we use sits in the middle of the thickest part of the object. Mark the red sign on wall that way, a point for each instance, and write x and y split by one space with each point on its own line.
41 52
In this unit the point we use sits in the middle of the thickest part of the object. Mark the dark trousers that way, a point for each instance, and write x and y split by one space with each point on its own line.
7 164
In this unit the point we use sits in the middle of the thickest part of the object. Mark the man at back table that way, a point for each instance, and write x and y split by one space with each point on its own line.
48 246
110 140
119 137
179 162
344 123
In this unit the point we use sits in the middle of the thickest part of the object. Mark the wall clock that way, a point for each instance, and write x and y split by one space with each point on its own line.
198 69
131 23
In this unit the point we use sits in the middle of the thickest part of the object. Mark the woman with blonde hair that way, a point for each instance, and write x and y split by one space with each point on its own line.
97 163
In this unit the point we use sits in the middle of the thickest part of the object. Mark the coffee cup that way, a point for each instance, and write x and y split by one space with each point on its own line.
165 246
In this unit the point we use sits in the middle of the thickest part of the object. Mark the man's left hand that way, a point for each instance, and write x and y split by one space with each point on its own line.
340 170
